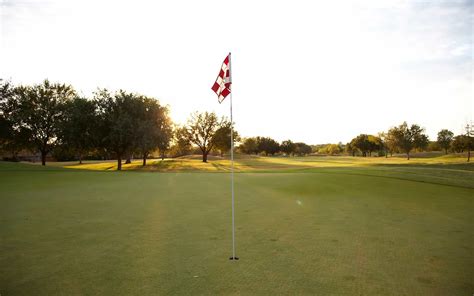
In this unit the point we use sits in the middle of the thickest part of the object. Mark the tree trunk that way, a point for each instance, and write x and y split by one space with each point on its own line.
163 156
119 162
468 154
43 157
446 151
144 158
80 158
408 155
204 157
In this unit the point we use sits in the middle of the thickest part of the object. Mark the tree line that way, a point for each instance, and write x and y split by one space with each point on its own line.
268 146
405 138
51 118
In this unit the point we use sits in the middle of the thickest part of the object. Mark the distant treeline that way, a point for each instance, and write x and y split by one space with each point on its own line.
52 119
405 139
399 139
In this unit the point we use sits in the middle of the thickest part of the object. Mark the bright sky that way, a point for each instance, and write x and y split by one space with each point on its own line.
310 71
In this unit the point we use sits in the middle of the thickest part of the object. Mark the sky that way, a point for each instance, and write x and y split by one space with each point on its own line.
311 71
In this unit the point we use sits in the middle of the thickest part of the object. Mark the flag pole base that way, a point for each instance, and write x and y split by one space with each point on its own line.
234 258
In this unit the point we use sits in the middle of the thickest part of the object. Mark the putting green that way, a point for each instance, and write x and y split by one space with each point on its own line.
346 230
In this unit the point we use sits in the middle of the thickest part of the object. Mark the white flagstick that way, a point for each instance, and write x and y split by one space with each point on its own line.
232 162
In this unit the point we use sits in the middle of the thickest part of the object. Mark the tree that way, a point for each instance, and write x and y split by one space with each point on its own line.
303 149
469 140
463 143
78 126
181 146
445 138
154 128
459 143
421 142
408 138
332 149
166 133
7 133
118 122
221 138
375 144
361 142
288 147
201 129
37 112
391 142
249 146
350 149
267 145
383 143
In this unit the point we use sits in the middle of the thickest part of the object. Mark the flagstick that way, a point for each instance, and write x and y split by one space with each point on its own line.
232 164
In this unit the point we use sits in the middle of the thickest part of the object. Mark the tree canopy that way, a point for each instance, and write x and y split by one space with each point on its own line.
408 138
36 112
201 129
445 138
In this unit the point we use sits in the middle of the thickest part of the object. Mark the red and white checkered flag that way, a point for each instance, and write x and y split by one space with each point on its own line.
224 81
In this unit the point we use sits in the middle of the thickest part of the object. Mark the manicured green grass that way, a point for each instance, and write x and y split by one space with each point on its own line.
304 226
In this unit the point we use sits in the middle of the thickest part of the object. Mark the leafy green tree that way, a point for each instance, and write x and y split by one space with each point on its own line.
182 145
375 144
37 113
267 145
469 140
361 142
303 149
463 143
288 147
10 140
459 143
249 146
221 138
166 134
421 142
332 149
118 124
390 141
445 138
350 149
201 129
6 134
408 138
383 143
79 126
154 127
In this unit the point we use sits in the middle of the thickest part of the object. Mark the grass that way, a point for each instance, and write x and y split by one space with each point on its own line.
315 225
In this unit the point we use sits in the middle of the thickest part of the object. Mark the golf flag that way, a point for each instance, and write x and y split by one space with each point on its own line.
222 88
224 81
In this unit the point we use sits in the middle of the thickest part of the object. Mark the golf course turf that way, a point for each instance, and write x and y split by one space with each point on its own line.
305 226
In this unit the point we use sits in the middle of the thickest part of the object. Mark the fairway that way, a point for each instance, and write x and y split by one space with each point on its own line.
302 229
